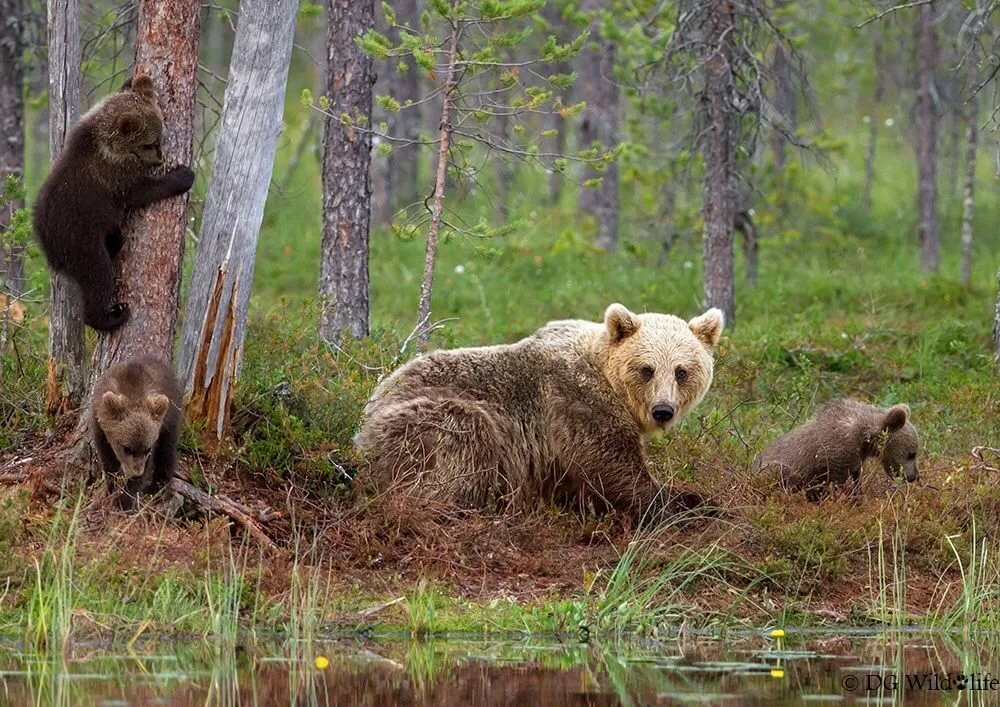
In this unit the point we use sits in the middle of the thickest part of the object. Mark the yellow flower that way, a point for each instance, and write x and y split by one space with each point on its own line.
777 673
777 633
322 662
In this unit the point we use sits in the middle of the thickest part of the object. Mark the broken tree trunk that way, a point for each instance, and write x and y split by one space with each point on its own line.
216 308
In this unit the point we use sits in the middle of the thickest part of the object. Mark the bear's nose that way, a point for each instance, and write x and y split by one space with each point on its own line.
664 412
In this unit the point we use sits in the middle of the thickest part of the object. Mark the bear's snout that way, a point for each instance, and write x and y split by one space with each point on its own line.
910 473
663 412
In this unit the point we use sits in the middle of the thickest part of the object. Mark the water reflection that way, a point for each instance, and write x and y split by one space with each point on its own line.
738 670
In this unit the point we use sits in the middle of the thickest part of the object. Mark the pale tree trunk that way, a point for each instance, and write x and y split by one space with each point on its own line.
67 372
968 199
599 124
784 102
719 209
927 129
11 136
504 172
343 276
450 83
149 266
554 120
866 197
215 318
996 324
402 184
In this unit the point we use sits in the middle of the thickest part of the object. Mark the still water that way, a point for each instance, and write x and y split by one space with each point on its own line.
744 669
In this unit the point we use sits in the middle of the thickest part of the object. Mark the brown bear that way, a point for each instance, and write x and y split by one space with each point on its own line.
563 414
101 175
135 421
834 445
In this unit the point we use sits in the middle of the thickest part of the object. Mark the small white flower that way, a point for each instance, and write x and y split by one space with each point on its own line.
867 119
889 122
688 265
459 269
843 335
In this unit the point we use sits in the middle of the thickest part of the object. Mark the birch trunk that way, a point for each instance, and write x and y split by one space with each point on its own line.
927 129
866 198
969 197
67 371
216 308
343 276
719 208
11 136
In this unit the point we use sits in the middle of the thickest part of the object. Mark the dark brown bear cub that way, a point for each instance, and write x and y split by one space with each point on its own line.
834 445
101 175
135 420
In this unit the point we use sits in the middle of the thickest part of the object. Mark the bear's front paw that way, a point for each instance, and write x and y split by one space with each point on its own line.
125 501
118 314
181 178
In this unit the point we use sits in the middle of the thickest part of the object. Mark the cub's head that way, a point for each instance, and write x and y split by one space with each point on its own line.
660 364
132 124
131 427
897 443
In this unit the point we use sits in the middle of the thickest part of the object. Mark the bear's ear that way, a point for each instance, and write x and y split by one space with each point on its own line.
708 327
143 85
620 322
895 418
157 405
114 405
128 124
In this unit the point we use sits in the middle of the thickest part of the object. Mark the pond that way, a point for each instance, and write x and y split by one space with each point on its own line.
740 669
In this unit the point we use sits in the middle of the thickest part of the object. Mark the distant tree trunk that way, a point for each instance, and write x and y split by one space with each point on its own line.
927 129
67 373
784 102
996 324
719 209
403 162
449 85
751 250
599 124
149 266
11 133
215 318
343 279
866 198
503 173
554 120
968 200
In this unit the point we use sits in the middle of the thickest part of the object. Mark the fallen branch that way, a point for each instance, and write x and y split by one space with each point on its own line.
208 502
368 613
14 478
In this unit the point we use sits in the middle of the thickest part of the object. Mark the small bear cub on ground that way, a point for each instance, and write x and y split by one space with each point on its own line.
834 445
101 175
135 421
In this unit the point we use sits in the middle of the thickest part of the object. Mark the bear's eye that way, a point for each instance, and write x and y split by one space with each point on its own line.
130 451
646 373
681 374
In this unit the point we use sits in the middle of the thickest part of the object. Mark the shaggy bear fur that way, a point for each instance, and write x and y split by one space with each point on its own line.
101 175
135 420
834 445
563 414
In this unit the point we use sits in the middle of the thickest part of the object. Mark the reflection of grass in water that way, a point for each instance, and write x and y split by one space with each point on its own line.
426 664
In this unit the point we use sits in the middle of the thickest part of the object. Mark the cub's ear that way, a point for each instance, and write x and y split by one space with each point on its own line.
157 405
895 418
144 85
128 124
620 322
708 327
113 405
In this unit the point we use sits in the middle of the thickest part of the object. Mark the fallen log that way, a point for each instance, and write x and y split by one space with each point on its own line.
209 503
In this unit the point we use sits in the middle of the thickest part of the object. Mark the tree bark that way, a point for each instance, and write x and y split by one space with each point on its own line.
866 197
599 124
67 372
927 129
402 184
343 277
968 199
11 135
215 319
149 266
440 182
719 210
784 103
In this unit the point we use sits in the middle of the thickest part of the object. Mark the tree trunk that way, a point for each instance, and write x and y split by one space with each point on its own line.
784 103
149 266
215 319
968 200
402 186
67 372
440 182
927 128
11 135
599 124
504 172
719 210
996 324
343 276
866 198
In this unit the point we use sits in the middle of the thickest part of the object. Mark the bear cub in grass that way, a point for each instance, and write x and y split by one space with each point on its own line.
135 421
834 445
101 175
563 414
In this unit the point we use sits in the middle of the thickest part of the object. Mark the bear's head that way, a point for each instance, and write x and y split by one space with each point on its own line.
897 444
131 125
659 364
132 427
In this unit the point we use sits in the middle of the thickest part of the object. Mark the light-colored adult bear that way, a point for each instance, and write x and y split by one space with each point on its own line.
563 414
